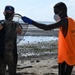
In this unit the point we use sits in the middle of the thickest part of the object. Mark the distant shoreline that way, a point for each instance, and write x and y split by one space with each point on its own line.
32 30
41 33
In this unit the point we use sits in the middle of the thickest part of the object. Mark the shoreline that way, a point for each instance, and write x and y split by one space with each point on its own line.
41 33
37 48
35 31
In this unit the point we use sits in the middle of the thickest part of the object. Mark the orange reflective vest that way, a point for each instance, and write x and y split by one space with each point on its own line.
66 45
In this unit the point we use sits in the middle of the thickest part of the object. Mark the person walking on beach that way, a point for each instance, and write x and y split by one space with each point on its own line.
8 42
66 37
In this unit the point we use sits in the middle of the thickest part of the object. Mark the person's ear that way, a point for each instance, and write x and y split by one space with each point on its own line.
13 14
4 13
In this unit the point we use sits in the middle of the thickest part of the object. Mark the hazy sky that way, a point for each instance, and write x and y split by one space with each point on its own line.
38 10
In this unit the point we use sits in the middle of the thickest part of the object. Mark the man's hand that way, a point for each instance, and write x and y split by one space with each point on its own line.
19 30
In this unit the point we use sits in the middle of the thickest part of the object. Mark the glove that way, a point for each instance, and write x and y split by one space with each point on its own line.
27 20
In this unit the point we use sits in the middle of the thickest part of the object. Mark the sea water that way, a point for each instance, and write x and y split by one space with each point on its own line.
33 39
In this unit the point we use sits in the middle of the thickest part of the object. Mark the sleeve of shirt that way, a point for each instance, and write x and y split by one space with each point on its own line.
2 22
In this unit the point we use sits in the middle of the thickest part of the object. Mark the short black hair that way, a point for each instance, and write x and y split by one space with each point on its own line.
61 6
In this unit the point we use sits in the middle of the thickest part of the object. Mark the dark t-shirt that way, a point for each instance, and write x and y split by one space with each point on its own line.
9 35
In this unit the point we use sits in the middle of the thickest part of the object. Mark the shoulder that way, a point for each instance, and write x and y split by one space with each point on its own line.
2 24
2 21
70 19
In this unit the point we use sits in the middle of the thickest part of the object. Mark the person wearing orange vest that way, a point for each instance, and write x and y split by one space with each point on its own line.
66 37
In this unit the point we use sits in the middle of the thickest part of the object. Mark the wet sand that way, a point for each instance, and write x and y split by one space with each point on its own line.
42 65
39 65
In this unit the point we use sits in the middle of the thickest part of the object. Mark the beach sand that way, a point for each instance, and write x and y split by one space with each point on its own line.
45 64
42 65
